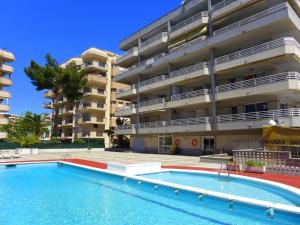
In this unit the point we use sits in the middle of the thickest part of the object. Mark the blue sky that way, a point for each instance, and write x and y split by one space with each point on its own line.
65 28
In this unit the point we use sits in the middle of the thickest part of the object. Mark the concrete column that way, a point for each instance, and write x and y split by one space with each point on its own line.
212 76
108 87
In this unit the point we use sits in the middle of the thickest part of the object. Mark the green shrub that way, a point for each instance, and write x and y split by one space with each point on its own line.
253 163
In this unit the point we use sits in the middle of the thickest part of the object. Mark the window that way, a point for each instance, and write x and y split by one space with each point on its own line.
208 143
283 106
113 90
88 63
257 107
234 110
102 64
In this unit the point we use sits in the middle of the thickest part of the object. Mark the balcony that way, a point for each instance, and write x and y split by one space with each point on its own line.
175 126
125 129
94 92
91 135
3 121
255 28
6 56
226 7
3 135
125 93
92 106
189 24
154 43
67 135
286 117
91 120
48 94
67 122
268 50
175 77
6 68
178 100
250 19
48 105
65 111
5 94
279 84
94 66
129 57
5 81
96 79
4 108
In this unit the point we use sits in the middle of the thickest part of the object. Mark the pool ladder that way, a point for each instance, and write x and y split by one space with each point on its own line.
65 157
224 169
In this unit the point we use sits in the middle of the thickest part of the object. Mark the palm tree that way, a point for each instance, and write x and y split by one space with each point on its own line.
121 141
37 122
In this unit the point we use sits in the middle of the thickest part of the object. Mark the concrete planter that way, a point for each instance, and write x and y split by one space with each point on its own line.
27 151
233 167
255 169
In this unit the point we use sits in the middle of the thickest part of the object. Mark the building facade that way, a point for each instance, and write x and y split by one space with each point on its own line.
5 81
94 113
211 74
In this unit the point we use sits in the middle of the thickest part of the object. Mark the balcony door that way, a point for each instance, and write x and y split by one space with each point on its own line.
208 144
165 142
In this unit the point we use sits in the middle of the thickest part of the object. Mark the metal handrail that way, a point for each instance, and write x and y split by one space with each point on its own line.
154 38
259 81
190 94
188 44
259 115
151 102
153 59
251 18
189 20
256 49
222 4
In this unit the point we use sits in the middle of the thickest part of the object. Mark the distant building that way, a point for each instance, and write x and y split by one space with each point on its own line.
5 81
95 112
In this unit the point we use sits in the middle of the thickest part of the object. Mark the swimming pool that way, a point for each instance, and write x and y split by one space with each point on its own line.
229 185
44 194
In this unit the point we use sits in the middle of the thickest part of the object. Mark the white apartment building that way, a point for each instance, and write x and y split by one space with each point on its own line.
5 71
211 74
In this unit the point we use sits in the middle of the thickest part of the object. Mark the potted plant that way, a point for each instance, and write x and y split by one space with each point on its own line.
254 167
232 166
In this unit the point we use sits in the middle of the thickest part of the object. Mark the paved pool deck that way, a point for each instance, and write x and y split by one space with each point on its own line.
99 159
123 157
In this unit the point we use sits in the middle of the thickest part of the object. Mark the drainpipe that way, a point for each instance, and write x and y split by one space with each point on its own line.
212 77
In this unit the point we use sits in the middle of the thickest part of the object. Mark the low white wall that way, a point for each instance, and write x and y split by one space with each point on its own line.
28 151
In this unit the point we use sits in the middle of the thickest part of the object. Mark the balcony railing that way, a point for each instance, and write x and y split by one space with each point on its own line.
222 4
190 94
259 81
130 51
153 59
174 74
188 44
251 18
125 127
178 122
189 21
272 114
154 38
134 86
151 102
256 49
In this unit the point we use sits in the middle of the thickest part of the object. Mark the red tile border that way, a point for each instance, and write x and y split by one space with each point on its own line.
284 179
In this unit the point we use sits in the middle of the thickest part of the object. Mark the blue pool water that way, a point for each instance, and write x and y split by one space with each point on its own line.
229 185
46 194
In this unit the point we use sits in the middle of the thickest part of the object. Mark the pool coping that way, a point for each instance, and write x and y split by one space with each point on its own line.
201 192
